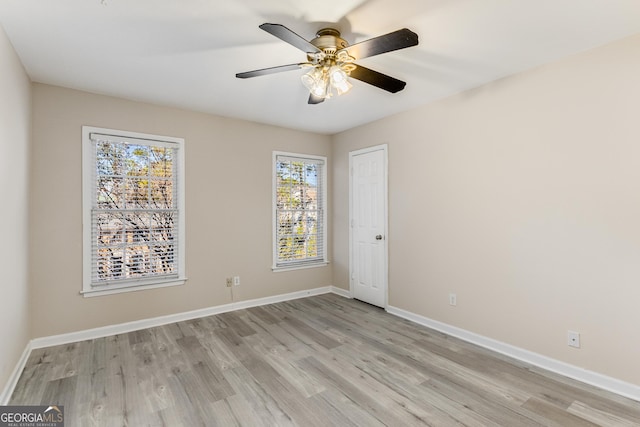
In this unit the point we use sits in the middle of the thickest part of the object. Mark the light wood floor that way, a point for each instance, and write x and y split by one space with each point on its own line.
317 361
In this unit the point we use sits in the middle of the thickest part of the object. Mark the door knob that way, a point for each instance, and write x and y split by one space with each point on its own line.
379 237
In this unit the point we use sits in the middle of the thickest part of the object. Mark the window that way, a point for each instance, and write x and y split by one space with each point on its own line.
299 203
133 218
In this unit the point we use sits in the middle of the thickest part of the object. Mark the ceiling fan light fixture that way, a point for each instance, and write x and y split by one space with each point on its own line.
331 59
316 81
322 81
339 79
308 79
343 87
320 90
337 75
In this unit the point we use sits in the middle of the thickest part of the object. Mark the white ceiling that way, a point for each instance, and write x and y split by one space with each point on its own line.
185 53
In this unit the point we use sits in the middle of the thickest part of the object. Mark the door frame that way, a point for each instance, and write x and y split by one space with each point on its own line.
385 152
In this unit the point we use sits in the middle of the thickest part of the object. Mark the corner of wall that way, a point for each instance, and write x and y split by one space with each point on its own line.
15 143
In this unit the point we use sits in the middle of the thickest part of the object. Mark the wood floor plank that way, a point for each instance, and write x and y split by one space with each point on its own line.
282 360
502 413
303 411
32 382
198 394
604 418
350 411
404 399
309 332
295 349
264 409
213 381
234 321
554 415
183 407
59 391
255 364
263 315
317 361
476 371
239 406
605 402
336 380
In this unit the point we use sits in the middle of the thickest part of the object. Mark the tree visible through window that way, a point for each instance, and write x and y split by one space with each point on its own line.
299 210
134 211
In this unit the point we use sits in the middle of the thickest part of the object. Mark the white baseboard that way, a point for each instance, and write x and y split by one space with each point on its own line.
122 328
15 376
614 385
342 292
622 388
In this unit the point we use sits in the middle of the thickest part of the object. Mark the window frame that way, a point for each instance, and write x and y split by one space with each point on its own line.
90 289
322 260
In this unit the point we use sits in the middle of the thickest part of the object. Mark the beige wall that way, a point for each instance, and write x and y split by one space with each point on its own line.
523 198
15 106
228 207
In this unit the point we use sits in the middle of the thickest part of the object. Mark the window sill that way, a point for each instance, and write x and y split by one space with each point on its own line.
299 267
130 288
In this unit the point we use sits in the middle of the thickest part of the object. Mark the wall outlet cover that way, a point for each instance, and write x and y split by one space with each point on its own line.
573 339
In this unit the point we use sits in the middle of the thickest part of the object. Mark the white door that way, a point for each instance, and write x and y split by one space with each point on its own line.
368 220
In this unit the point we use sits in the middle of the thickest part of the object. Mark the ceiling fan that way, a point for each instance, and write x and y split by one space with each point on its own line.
330 60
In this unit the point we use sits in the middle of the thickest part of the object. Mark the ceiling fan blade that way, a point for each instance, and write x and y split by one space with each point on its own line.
377 79
270 70
285 34
387 43
315 99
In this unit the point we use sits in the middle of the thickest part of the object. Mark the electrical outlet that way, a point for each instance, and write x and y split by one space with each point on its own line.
229 282
573 339
236 280
453 299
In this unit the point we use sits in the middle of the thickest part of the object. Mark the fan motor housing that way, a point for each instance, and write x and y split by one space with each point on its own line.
328 39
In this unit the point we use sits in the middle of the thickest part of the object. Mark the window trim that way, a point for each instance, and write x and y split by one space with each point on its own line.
323 192
88 192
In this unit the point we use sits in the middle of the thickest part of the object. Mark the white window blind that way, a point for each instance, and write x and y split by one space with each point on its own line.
134 210
299 204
